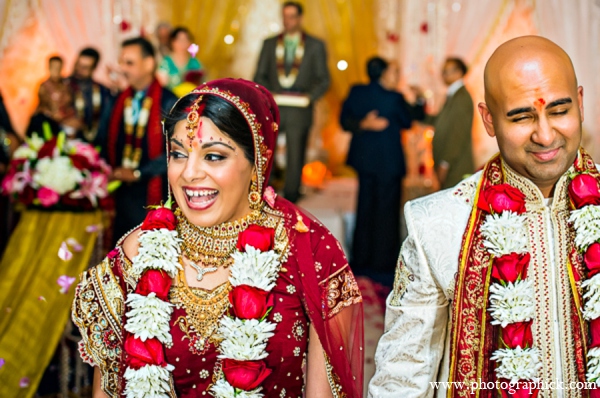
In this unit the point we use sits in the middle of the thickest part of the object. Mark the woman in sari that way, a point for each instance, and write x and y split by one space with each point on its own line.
235 293
176 66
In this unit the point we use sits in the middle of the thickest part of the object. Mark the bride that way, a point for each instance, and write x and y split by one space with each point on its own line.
230 291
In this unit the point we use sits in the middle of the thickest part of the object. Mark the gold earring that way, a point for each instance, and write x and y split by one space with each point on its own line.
254 196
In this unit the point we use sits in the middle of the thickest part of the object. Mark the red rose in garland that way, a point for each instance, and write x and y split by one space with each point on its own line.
584 191
519 390
594 333
510 267
260 238
161 217
250 302
517 334
141 353
591 259
245 375
499 198
155 281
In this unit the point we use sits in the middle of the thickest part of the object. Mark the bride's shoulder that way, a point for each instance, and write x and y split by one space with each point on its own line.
130 244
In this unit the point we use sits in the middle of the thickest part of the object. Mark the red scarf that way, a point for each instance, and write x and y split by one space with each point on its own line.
153 131
473 337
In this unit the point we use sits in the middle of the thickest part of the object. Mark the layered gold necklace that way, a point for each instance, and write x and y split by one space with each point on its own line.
209 248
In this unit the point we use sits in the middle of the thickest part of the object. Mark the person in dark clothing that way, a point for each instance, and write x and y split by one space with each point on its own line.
134 143
375 114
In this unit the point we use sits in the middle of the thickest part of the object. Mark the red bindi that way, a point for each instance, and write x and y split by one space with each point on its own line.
540 102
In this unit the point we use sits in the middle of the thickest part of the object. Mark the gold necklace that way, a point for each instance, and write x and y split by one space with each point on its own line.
209 248
203 310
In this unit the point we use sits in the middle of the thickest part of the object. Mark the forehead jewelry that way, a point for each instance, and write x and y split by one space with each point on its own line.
193 119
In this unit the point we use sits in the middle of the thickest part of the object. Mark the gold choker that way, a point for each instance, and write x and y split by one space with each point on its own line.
213 246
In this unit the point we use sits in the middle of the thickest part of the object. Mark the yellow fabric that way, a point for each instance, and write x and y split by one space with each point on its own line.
30 328
346 26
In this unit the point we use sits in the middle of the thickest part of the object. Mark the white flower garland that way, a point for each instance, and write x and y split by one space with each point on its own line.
149 316
506 233
246 340
586 222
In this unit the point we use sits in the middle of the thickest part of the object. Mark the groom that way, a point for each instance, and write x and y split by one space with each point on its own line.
491 293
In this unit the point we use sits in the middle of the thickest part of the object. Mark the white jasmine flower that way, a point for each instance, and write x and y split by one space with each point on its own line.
35 142
159 249
512 303
517 364
149 381
592 305
57 174
149 317
586 222
505 233
244 340
25 152
223 389
593 365
255 268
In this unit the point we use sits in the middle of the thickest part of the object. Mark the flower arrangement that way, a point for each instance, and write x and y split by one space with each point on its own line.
584 194
512 300
56 173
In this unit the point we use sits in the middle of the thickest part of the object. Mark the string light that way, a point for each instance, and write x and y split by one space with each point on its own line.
342 65
228 39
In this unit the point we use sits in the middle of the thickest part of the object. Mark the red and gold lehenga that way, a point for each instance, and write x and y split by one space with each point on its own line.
315 286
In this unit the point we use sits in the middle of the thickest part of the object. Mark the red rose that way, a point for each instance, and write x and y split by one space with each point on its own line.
27 196
155 281
510 267
80 162
499 198
250 302
584 191
517 334
594 333
159 218
141 353
47 149
260 238
522 389
245 375
591 259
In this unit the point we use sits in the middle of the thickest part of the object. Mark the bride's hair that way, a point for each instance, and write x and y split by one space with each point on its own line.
225 116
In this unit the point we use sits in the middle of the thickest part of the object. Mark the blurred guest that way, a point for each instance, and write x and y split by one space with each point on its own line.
293 66
135 146
91 97
176 65
55 103
375 114
163 32
452 147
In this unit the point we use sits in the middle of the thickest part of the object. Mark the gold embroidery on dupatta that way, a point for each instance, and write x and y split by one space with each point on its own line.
342 291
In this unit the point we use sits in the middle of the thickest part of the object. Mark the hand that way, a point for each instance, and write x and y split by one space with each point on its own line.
418 93
374 122
124 174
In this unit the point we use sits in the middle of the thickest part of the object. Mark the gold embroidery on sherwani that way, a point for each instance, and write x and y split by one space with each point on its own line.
401 280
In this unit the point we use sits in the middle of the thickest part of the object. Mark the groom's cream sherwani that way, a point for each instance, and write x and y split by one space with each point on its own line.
414 349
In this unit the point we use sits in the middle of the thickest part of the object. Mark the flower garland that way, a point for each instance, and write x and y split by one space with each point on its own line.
585 199
512 300
245 332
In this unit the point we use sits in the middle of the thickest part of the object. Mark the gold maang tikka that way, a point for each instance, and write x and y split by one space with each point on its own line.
193 118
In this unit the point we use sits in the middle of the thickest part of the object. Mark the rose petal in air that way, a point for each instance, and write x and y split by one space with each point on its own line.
41 298
65 282
92 228
64 253
193 49
2 362
74 244
24 382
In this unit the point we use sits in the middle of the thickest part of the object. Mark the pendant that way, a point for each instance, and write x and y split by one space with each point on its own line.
202 271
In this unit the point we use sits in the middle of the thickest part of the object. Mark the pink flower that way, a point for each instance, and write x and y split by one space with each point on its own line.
24 382
65 282
47 196
193 49
88 152
93 187
64 253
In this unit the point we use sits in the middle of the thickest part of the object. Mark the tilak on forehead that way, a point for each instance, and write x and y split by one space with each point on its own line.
539 102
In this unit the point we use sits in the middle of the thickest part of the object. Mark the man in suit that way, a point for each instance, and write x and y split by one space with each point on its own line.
134 142
293 66
452 147
375 114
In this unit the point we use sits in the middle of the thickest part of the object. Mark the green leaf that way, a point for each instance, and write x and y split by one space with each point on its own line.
113 186
60 140
47 131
